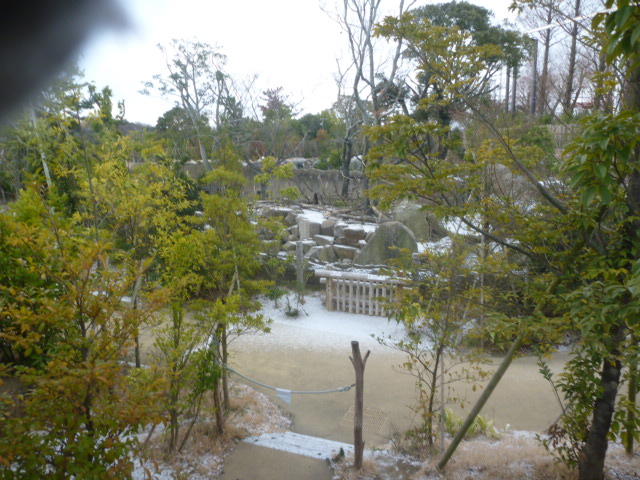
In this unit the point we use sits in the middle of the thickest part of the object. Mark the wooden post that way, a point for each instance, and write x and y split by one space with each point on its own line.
493 383
358 365
300 268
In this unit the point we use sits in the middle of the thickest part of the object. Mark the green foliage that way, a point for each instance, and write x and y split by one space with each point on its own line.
65 332
436 312
566 229
480 426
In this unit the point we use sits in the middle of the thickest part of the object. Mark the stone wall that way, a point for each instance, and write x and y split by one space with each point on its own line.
314 184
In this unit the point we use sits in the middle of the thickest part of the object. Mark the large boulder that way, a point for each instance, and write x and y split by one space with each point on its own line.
324 253
307 227
350 234
326 228
345 251
323 239
384 244
424 225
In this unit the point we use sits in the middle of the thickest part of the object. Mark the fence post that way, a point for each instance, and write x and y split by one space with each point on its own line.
358 365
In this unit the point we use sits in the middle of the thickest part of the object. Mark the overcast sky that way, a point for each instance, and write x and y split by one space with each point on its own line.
288 43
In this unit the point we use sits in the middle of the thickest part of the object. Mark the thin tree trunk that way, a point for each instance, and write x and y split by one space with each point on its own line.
347 148
507 95
598 99
514 89
134 301
630 422
544 79
225 376
432 397
567 102
534 80
217 404
488 390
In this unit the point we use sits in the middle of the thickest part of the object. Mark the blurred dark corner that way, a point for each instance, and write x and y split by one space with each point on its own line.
38 38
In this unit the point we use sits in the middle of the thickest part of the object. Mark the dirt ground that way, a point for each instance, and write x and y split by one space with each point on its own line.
251 462
523 400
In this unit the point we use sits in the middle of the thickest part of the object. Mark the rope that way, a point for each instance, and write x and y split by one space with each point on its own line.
297 392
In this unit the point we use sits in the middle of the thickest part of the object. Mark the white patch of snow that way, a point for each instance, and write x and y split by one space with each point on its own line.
457 226
304 445
366 227
312 216
441 246
321 328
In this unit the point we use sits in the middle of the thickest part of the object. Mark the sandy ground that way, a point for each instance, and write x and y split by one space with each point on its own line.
251 462
312 353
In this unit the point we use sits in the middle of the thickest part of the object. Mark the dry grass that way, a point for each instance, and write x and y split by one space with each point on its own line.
512 457
509 458
343 469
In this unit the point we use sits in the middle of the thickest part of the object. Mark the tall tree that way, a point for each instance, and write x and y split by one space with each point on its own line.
195 78
573 227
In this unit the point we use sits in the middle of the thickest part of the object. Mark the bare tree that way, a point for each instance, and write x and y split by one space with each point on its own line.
373 74
194 76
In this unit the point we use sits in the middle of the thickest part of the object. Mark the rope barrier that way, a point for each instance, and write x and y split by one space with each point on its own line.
283 392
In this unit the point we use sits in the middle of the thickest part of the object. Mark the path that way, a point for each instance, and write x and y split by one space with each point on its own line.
252 462
305 445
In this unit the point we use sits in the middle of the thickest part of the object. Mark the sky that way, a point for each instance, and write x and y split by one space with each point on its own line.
292 44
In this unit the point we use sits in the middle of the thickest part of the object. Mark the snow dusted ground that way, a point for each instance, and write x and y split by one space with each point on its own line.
317 328
304 445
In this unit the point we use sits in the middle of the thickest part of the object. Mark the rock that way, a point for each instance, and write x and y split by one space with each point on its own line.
424 225
307 228
379 249
323 239
291 218
345 251
322 254
289 246
350 234
275 211
327 226
307 245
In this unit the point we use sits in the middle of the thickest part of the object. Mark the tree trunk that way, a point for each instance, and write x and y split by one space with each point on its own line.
488 390
134 302
217 405
203 153
567 103
513 93
507 95
534 80
598 99
225 376
630 421
347 148
591 463
543 101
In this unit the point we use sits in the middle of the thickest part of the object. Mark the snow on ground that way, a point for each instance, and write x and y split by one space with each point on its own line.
441 246
312 216
318 328
366 227
457 226
305 445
